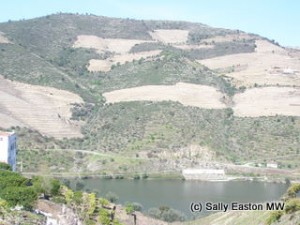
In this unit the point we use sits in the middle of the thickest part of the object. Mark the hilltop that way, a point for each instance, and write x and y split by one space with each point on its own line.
129 94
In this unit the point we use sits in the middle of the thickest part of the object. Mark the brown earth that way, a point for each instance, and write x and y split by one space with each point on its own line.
41 108
187 94
119 46
268 65
3 39
170 36
255 102
227 38
267 101
105 65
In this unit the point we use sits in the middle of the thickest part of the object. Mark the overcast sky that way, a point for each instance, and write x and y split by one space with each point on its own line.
275 19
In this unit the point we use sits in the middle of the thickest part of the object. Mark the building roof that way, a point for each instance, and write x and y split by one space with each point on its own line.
6 134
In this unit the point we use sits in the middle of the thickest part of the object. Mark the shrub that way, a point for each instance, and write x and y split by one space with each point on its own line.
129 208
172 215
136 177
112 197
59 200
145 176
11 179
154 212
137 206
55 187
77 197
167 214
4 166
23 196
292 205
293 190
103 202
47 186
3 204
104 217
274 217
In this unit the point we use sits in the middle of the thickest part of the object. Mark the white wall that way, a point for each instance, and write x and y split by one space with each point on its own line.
3 149
8 150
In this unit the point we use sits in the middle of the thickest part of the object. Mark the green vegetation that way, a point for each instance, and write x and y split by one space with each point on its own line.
89 208
16 190
292 205
166 213
4 166
274 217
120 132
132 137
293 190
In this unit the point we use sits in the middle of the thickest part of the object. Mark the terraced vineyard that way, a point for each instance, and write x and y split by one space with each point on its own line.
140 93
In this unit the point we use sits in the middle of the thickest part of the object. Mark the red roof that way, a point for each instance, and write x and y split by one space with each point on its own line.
6 134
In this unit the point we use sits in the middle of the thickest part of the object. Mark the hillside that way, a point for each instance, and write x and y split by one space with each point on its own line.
129 94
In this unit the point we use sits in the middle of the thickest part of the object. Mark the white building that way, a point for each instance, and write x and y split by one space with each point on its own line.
204 174
272 165
8 148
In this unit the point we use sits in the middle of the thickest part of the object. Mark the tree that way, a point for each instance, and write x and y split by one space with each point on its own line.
104 217
5 166
23 196
47 186
11 179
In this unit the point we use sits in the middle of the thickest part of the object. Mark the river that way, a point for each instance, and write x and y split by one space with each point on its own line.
179 194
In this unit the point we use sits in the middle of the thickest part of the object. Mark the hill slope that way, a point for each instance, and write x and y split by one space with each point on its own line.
96 57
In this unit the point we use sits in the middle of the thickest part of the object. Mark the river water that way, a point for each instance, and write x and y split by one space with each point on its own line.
179 194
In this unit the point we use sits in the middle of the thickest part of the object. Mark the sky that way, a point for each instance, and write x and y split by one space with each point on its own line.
274 19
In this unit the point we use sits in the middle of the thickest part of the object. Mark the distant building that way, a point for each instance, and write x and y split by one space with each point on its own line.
204 174
8 148
272 165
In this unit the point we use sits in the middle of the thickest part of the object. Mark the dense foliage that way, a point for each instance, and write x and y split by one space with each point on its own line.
17 190
167 214
292 204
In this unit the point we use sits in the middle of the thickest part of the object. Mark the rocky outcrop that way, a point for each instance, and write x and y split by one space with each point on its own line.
57 214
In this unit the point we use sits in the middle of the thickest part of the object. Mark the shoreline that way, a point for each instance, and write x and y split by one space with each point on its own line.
171 176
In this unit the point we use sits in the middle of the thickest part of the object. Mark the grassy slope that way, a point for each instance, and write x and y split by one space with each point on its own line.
42 54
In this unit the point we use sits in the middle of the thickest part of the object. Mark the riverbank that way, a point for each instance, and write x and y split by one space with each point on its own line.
275 178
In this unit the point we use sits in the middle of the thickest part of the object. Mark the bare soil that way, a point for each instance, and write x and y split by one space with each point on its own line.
105 65
227 38
41 108
187 94
4 39
268 65
119 46
267 101
170 36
